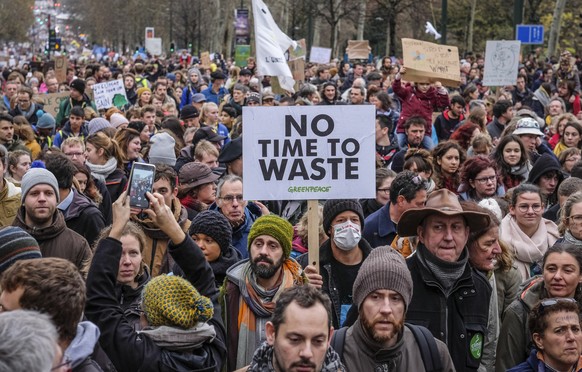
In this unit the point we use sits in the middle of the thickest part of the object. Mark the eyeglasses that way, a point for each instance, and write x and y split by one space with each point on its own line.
577 218
230 198
73 154
485 180
523 208
385 191
553 301
417 180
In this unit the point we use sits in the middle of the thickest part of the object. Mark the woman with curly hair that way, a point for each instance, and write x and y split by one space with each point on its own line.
465 133
448 157
511 160
479 180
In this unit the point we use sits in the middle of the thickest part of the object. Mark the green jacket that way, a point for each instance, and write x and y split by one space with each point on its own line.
9 203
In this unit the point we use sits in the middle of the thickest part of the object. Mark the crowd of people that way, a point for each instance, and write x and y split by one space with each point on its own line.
469 258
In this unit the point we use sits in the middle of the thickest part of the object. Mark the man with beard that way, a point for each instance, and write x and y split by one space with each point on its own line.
253 286
378 340
40 217
441 274
298 335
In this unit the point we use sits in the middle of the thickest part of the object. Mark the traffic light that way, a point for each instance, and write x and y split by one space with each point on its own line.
57 46
171 47
190 46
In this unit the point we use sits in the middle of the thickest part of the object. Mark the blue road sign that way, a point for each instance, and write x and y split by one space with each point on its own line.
530 34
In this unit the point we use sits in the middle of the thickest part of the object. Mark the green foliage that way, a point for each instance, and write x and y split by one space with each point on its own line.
16 17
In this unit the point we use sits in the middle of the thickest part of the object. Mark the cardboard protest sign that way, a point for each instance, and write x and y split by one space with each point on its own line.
309 152
61 65
320 55
430 62
297 67
299 51
358 49
109 94
52 101
501 62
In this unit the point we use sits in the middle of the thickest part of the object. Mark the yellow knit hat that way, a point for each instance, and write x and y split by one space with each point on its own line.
170 300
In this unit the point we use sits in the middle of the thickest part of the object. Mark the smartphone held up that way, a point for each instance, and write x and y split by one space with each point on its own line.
141 181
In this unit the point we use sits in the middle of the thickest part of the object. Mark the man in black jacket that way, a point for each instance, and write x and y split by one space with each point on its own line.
449 297
202 347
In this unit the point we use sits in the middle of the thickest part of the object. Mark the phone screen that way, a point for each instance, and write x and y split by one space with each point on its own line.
142 181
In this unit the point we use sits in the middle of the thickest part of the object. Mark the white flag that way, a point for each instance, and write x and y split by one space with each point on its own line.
271 44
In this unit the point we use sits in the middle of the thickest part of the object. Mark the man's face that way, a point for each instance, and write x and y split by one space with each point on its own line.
415 134
158 103
324 75
236 167
358 70
128 82
52 85
233 210
555 108
75 153
301 342
418 201
6 131
382 315
266 255
508 114
343 217
563 91
244 79
10 301
192 122
75 94
217 84
457 109
520 85
76 122
444 236
356 96
161 91
548 183
40 205
238 96
24 101
329 93
163 187
149 118
10 89
529 141
209 159
380 132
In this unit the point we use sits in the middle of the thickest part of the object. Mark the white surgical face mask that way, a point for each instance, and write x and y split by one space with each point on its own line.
347 235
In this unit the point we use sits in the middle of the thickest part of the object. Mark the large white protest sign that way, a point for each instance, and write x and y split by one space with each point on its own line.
320 55
501 62
309 152
154 46
109 94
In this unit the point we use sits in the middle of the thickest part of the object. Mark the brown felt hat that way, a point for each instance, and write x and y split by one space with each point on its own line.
443 202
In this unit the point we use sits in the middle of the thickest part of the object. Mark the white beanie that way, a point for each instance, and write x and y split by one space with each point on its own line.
117 119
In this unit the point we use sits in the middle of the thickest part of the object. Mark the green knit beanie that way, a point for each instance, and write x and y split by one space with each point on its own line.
170 300
275 226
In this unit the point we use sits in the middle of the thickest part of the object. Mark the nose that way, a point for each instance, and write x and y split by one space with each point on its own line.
125 259
235 202
306 351
496 248
386 307
448 233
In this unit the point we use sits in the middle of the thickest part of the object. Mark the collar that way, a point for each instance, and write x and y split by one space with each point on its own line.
66 202
385 225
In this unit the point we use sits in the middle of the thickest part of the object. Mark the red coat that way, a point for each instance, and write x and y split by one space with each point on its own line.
416 103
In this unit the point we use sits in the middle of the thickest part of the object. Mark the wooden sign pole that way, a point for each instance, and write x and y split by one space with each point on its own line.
313 232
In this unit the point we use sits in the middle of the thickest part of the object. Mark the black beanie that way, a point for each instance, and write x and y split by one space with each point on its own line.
78 85
333 207
545 163
215 225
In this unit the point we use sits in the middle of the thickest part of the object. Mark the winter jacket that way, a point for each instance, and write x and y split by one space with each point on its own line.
514 344
84 217
508 283
415 103
329 287
445 125
495 128
379 229
31 115
57 240
211 96
459 320
67 104
130 298
364 354
240 234
155 253
65 133
534 363
116 182
9 203
130 350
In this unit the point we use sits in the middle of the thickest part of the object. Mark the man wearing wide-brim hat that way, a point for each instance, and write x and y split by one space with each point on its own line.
449 297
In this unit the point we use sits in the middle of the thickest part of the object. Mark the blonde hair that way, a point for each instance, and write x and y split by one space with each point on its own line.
205 107
109 145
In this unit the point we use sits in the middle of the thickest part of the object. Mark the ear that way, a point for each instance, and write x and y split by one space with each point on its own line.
438 160
331 331
537 339
400 199
175 192
270 333
100 151
512 210
420 233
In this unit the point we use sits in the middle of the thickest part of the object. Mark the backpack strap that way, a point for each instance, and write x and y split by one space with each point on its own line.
428 348
337 342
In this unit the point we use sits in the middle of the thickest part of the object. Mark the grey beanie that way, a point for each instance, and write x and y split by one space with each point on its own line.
38 176
46 121
162 149
98 124
333 207
384 268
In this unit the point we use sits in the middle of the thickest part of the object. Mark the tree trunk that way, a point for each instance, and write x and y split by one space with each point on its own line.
555 28
471 26
388 38
361 20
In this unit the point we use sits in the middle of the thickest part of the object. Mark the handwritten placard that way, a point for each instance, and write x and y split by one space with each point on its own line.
430 62
501 62
52 101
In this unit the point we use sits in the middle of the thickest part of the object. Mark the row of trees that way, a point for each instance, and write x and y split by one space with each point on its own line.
328 23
